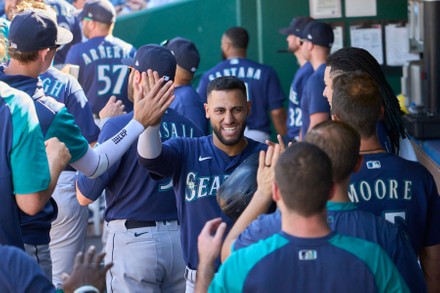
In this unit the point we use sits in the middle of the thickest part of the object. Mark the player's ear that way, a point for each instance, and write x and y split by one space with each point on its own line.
276 196
248 106
382 112
43 53
137 76
205 105
332 191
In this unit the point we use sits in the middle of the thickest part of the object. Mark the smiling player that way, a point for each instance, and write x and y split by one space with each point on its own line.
198 166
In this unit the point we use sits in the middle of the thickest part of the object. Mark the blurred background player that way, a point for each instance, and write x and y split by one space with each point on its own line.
263 87
101 73
187 102
317 40
294 43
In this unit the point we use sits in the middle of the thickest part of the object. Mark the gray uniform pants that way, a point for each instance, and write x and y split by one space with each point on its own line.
146 259
69 230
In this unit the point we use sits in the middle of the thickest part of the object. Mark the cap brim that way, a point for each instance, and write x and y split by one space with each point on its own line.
64 36
128 61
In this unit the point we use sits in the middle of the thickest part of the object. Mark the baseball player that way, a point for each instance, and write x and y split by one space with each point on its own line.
198 166
341 143
143 231
187 101
305 250
398 190
23 156
263 86
294 35
390 128
101 73
31 55
317 40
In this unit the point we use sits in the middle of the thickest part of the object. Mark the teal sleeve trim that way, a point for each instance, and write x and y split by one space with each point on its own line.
233 273
386 275
64 128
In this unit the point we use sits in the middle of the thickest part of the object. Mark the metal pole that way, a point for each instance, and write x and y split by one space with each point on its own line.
431 56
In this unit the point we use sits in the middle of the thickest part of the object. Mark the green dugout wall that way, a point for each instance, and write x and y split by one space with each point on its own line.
203 21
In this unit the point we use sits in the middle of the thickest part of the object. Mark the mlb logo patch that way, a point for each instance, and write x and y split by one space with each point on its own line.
307 254
373 165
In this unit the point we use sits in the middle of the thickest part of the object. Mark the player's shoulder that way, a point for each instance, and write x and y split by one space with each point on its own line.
119 42
306 70
56 74
391 160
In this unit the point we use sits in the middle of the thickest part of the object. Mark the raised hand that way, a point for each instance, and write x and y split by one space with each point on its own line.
151 98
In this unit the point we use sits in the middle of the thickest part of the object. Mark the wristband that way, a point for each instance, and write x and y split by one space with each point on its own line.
86 289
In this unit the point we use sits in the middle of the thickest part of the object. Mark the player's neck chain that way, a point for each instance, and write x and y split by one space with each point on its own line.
376 150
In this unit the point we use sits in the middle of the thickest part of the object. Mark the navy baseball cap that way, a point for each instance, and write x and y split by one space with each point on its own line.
296 26
33 30
186 53
99 10
154 57
319 33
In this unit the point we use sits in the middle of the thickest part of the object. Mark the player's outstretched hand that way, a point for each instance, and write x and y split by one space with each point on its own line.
87 271
151 99
266 170
210 241
57 154
113 108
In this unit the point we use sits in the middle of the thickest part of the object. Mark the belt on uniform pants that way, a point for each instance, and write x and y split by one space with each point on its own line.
190 275
139 224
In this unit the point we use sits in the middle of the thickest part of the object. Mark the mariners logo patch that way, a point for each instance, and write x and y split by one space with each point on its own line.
307 255
373 165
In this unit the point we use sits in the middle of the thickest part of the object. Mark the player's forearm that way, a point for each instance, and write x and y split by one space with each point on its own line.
149 143
279 118
430 262
205 274
95 162
258 205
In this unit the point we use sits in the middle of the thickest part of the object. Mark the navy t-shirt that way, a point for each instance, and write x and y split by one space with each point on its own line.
402 192
294 115
313 101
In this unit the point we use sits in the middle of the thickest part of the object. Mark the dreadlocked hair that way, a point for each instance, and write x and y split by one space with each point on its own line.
353 59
